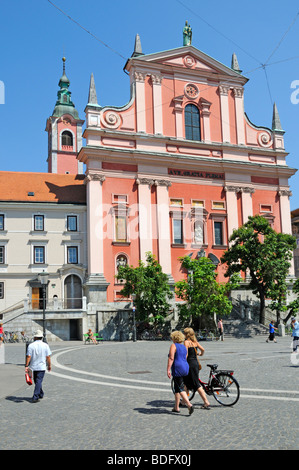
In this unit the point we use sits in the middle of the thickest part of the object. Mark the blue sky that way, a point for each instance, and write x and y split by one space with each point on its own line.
35 36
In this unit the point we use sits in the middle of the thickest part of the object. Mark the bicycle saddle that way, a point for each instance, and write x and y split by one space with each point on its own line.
213 366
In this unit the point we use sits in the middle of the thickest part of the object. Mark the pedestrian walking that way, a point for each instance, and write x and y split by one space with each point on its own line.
38 357
220 329
272 329
193 383
178 368
295 333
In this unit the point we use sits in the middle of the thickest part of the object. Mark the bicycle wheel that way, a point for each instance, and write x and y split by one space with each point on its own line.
225 389
190 393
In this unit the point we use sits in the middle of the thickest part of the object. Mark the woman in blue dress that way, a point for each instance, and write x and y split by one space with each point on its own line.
178 368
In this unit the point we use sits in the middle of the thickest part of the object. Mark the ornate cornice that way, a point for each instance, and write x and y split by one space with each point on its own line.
94 177
148 181
284 192
239 189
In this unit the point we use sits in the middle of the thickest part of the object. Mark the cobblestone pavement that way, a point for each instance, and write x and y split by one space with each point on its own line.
117 396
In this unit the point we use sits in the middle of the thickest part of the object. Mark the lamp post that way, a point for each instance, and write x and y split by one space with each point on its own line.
43 279
134 321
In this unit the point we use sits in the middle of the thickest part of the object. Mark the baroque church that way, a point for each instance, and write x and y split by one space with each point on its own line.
172 172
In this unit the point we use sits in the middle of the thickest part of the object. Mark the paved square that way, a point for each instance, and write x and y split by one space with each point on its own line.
117 396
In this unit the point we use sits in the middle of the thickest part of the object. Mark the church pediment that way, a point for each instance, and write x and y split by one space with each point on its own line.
188 58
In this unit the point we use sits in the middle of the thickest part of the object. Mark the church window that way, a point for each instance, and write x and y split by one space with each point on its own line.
192 122
67 138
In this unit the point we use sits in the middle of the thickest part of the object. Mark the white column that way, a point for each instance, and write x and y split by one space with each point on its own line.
223 92
246 195
239 106
178 110
95 233
285 211
231 208
285 217
163 225
157 101
140 101
145 216
205 112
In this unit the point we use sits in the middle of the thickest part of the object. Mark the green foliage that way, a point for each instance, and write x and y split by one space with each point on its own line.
150 285
266 255
202 294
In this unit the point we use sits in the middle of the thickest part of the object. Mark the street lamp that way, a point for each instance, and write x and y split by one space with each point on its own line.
43 279
134 322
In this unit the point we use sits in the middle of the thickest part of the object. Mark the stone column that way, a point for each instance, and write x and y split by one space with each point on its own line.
223 92
231 208
96 284
285 217
164 241
157 104
178 110
145 216
246 195
239 107
140 101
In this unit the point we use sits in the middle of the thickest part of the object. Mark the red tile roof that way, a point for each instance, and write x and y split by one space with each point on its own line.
43 187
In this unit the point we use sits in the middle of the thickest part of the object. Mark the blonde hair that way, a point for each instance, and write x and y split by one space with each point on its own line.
189 333
177 337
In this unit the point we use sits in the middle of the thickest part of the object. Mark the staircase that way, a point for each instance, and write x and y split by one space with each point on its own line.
236 328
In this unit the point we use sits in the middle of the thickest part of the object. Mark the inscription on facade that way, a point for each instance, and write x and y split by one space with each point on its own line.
196 174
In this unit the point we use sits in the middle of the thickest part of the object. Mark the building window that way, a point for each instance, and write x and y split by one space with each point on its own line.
218 205
119 199
39 223
1 221
218 233
39 254
1 290
67 138
72 225
2 254
177 231
72 255
192 122
120 228
176 202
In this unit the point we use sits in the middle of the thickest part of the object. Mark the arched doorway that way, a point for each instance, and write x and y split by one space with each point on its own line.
72 292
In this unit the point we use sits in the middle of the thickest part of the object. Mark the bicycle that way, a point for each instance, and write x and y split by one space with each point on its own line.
221 384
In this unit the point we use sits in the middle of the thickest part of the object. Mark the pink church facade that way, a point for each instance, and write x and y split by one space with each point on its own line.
178 168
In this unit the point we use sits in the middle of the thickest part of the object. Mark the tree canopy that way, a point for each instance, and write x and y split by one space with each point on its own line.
257 249
200 291
151 288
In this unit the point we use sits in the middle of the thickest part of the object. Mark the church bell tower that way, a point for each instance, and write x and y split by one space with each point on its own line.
64 129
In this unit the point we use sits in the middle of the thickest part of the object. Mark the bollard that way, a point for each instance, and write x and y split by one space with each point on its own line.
281 329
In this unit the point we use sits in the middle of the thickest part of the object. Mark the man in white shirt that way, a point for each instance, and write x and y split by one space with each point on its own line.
38 356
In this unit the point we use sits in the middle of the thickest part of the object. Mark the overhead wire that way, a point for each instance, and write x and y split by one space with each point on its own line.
86 30
261 66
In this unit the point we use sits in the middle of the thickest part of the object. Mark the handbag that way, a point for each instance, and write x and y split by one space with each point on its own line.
28 378
197 357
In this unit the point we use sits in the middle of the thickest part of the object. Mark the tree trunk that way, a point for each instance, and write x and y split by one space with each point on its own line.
262 308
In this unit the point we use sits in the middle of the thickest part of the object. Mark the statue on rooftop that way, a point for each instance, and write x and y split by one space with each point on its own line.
187 35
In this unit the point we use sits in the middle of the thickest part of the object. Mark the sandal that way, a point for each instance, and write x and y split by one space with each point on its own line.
175 411
205 407
191 409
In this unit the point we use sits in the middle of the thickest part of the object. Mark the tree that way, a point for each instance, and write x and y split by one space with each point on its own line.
255 247
294 305
151 287
201 293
